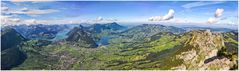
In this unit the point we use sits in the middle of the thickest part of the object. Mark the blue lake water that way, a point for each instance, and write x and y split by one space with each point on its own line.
61 35
103 41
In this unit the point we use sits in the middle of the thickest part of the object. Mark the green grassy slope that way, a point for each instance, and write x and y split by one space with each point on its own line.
160 51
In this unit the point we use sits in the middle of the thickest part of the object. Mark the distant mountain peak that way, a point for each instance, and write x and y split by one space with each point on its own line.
98 28
113 23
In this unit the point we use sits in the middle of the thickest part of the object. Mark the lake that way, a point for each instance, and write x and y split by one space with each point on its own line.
103 41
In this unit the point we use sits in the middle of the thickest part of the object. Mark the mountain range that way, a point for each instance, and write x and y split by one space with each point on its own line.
40 31
111 46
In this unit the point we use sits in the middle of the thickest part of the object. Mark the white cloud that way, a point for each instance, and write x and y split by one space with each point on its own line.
24 9
30 21
4 8
34 21
218 12
9 20
215 19
69 21
99 19
31 0
212 20
35 12
155 18
10 16
18 0
15 20
168 16
197 4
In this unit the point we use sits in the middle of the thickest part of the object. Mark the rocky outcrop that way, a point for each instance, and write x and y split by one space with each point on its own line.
200 52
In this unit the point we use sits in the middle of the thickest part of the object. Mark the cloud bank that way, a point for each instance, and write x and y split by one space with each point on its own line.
212 20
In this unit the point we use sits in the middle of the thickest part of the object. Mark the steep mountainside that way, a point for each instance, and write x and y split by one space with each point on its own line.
97 31
80 38
11 56
231 47
10 38
200 51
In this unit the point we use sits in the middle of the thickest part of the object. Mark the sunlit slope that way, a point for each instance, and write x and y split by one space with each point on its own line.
192 50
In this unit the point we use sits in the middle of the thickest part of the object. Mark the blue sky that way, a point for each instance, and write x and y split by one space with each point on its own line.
64 12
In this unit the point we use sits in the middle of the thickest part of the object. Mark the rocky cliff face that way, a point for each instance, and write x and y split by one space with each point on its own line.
200 52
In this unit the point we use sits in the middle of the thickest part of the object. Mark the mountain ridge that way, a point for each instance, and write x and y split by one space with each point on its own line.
11 54
152 47
79 36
